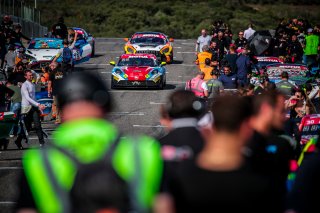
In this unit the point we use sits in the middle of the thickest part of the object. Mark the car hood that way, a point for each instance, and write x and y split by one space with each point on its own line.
148 47
43 54
136 73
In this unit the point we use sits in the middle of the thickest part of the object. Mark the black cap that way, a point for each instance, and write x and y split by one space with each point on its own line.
84 86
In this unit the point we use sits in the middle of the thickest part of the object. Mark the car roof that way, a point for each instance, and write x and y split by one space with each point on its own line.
138 55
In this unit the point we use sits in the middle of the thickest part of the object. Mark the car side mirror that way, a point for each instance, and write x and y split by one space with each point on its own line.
112 63
126 39
171 39
163 64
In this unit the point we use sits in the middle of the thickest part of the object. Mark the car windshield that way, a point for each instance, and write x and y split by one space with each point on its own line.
148 40
45 44
138 62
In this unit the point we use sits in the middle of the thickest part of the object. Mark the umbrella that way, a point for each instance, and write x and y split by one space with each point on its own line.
260 41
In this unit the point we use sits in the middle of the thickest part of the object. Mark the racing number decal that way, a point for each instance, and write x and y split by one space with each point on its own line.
76 54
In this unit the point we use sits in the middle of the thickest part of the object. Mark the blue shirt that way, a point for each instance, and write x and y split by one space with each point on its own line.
243 65
229 81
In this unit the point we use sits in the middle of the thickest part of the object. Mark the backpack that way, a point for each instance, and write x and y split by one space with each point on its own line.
96 186
66 55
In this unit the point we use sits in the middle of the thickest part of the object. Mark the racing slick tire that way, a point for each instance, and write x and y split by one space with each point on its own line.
163 84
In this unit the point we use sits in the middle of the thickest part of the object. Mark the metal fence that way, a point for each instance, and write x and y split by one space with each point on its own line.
27 15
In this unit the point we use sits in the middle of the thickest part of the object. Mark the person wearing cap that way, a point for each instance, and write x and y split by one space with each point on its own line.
60 30
198 86
87 136
66 66
215 87
311 48
284 86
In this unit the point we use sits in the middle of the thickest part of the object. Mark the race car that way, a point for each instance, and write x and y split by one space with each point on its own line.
262 62
151 43
41 51
87 36
138 70
309 128
298 73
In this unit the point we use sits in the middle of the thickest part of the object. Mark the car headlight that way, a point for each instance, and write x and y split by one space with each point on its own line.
130 50
165 50
119 72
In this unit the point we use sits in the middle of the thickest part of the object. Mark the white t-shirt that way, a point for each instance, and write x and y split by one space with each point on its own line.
28 93
203 41
204 86
248 33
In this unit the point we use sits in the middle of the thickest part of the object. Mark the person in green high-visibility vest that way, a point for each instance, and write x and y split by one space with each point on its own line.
49 174
311 48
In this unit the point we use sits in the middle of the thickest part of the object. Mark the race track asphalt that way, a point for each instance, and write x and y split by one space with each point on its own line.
135 111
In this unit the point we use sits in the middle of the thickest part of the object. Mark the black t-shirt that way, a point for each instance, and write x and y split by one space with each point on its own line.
60 29
179 146
199 190
56 77
232 59
241 42
270 156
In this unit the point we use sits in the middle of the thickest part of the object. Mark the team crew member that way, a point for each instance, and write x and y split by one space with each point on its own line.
198 86
30 107
207 69
284 86
86 138
203 56
204 39
67 55
60 30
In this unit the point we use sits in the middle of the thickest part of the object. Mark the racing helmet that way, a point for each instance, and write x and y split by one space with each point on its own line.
84 86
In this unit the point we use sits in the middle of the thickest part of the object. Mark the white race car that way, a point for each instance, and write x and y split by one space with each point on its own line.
41 51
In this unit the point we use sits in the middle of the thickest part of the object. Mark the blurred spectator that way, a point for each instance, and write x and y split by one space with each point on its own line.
5 92
100 181
228 79
45 74
304 195
203 40
249 32
184 141
241 41
205 185
262 85
268 154
7 25
60 30
198 86
213 49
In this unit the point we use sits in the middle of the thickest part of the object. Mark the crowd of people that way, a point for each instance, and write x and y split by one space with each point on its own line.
229 145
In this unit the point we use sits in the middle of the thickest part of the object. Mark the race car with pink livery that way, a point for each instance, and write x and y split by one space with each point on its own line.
155 43
138 70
